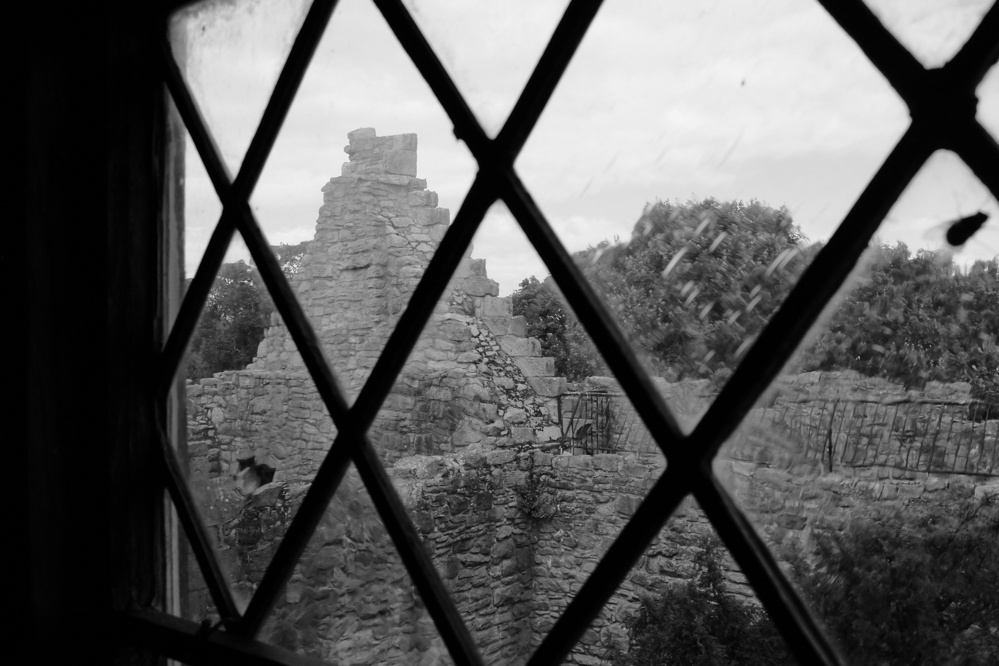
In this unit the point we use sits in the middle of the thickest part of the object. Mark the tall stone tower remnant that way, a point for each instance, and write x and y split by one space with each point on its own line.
377 229
474 378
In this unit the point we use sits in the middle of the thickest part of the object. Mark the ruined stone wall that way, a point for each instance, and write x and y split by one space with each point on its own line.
474 384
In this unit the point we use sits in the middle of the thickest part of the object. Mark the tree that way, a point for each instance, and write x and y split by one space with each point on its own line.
694 285
697 283
236 314
920 587
914 319
701 623
290 256
232 323
557 329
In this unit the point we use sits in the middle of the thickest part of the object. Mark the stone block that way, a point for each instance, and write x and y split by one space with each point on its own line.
515 346
477 267
422 198
500 457
606 461
503 549
626 505
406 141
361 133
497 325
496 307
402 162
523 435
548 387
500 381
465 435
480 286
550 434
515 415
518 326
536 366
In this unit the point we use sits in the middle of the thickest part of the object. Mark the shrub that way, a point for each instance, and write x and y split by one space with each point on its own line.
537 499
701 622
919 587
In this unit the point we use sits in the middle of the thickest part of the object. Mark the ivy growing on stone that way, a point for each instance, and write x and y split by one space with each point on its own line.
537 499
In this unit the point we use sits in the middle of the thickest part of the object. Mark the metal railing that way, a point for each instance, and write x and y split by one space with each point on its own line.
601 422
932 436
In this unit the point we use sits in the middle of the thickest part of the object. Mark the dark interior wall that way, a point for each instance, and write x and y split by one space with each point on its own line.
79 256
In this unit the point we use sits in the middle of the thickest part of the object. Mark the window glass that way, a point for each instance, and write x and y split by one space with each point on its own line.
870 468
202 210
693 162
932 30
489 48
231 54
988 102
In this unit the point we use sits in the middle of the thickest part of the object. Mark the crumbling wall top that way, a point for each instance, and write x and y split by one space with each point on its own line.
370 153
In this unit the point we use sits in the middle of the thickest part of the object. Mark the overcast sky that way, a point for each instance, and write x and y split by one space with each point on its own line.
664 100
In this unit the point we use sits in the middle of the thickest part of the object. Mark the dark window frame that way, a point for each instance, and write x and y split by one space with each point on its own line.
942 106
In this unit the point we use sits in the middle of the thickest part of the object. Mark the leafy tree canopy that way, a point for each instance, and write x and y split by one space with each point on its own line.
697 282
896 588
916 318
701 623
915 588
553 324
236 314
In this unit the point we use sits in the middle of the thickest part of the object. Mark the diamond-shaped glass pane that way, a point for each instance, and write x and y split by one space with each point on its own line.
196 602
201 209
684 602
489 48
932 30
231 55
988 102
693 186
350 599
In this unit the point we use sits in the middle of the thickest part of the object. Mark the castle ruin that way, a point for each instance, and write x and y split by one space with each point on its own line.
474 439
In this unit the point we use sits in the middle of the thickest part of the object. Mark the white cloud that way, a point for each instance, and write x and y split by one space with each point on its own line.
767 100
